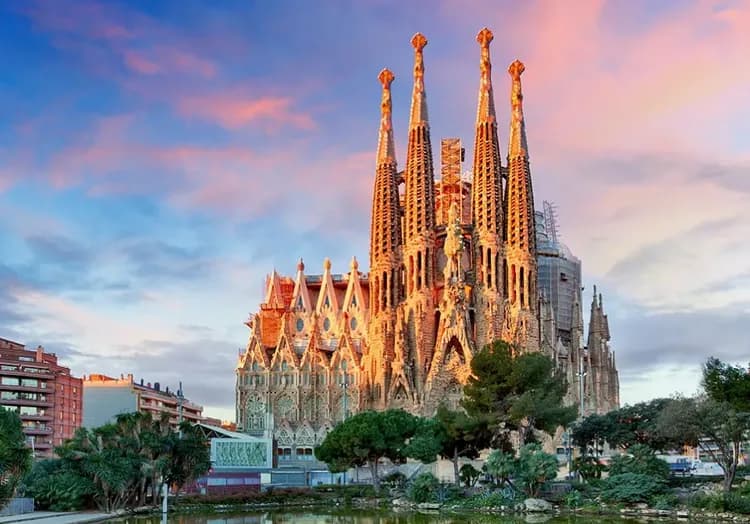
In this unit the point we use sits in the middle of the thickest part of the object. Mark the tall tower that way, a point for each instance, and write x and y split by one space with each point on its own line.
486 202
521 322
419 211
385 248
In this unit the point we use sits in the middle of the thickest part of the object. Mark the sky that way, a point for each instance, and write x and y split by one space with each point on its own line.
158 159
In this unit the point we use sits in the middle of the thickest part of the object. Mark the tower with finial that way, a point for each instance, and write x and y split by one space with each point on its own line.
486 199
385 248
419 221
522 309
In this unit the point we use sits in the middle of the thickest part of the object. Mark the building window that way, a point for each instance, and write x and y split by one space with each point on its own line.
6 367
9 381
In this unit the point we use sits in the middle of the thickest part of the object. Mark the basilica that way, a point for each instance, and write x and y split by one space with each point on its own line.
453 266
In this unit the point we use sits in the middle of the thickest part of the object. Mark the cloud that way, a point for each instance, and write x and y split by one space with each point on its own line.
233 111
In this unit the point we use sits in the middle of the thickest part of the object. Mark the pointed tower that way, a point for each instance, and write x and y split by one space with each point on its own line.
419 214
486 202
385 250
522 326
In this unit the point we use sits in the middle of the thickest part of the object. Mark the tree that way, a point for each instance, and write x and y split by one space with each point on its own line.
716 427
500 465
367 437
522 392
726 383
534 467
15 457
189 454
591 431
452 435
640 460
637 424
118 465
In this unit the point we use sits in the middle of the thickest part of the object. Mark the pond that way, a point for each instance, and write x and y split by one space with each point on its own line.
353 516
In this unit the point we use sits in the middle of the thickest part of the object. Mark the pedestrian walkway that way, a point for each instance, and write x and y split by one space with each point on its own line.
51 517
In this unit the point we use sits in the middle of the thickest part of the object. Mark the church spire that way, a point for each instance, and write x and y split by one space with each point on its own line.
520 239
486 106
386 147
419 97
518 146
486 204
385 227
419 193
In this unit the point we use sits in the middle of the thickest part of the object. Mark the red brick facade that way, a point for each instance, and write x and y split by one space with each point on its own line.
45 395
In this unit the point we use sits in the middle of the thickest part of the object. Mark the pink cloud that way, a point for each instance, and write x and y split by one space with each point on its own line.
140 64
233 111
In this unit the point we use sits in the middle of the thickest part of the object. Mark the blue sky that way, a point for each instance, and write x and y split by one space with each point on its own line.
157 159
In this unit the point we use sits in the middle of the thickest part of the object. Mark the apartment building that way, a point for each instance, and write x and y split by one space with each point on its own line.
106 397
47 397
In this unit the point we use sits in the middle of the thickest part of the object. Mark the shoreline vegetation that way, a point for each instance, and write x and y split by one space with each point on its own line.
398 500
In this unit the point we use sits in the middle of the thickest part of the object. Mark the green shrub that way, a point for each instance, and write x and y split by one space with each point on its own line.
632 487
394 480
56 488
492 499
534 467
469 475
719 502
589 467
424 488
737 503
641 460
665 501
573 499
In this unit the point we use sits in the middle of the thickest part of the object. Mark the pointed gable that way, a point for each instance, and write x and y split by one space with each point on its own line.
328 304
301 300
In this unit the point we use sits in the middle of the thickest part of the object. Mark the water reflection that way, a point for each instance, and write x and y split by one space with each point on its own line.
350 516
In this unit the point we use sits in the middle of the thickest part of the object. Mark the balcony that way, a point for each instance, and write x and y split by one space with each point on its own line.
27 402
37 430
41 417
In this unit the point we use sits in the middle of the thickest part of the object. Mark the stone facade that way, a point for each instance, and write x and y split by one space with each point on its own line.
452 267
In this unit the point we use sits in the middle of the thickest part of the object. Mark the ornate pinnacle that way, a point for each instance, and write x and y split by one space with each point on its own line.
486 106
418 41
386 147
418 100
518 146
515 69
484 38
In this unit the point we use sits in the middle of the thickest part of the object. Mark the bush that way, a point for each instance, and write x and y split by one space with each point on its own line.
272 496
56 488
632 487
469 475
640 460
719 502
574 499
534 467
424 488
492 499
588 467
394 480
665 501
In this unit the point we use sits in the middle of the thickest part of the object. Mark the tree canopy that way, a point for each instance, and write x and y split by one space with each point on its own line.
723 382
520 392
717 422
452 435
119 465
625 427
15 457
367 437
